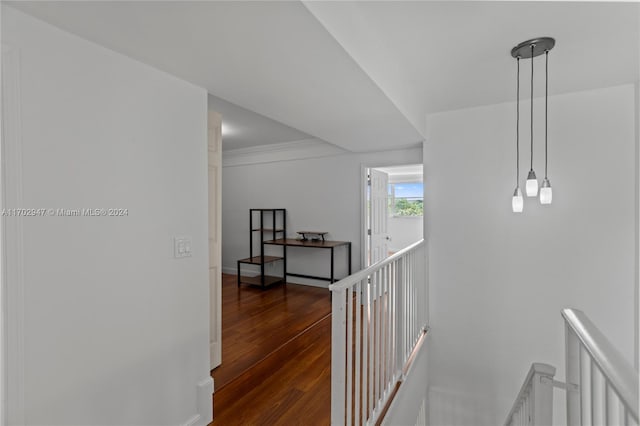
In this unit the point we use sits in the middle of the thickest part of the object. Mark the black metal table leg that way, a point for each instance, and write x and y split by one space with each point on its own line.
332 280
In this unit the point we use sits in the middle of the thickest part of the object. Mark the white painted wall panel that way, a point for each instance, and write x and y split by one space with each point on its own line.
498 279
115 329
404 231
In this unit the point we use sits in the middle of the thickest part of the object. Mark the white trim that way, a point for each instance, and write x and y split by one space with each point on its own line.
194 420
309 282
297 280
204 404
406 178
636 345
636 320
3 281
214 220
425 229
12 243
229 270
286 151
364 232
205 391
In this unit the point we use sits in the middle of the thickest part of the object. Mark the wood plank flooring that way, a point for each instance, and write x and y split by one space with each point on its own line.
276 356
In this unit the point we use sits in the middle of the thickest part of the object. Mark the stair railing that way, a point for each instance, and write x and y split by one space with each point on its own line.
378 317
607 384
535 400
601 386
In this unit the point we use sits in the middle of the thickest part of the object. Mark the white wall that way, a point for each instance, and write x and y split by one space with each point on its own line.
403 231
410 403
115 329
319 194
498 280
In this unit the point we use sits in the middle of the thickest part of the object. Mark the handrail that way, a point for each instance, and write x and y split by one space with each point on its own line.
622 377
537 370
364 273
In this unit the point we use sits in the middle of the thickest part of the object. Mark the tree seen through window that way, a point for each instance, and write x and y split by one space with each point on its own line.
406 199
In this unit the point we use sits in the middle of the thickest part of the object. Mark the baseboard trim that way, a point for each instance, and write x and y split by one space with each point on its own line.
205 400
204 404
229 270
193 421
298 280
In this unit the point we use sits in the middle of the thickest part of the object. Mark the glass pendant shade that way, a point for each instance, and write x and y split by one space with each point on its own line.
517 203
545 192
531 186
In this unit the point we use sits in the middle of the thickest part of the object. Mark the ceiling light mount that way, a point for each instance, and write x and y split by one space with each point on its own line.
540 46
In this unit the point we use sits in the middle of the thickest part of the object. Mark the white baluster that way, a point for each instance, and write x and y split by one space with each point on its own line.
572 351
597 396
338 358
349 372
612 406
371 369
358 360
585 387
366 321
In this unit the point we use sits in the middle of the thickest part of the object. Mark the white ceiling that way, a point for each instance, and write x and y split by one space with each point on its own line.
242 128
431 56
273 58
364 74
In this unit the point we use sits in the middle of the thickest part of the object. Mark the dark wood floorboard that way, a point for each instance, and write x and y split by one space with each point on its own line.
276 355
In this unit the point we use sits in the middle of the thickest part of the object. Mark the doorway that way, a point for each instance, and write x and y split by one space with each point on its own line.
393 210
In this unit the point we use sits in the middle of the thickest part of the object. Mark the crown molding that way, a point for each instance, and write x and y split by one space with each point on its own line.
285 151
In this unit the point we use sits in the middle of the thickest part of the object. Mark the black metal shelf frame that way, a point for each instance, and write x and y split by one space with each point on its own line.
262 259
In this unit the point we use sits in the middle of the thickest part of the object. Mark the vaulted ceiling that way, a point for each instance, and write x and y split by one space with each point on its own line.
361 75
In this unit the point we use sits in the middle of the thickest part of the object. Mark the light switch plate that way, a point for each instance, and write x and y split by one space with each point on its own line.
182 246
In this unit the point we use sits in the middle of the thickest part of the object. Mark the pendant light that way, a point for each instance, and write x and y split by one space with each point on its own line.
517 202
531 49
545 192
532 182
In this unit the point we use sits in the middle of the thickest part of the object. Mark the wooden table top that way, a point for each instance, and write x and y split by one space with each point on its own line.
306 243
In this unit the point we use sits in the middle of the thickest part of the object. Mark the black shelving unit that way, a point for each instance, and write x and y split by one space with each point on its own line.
273 223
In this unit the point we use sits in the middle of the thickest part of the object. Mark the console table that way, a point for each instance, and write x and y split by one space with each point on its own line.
330 245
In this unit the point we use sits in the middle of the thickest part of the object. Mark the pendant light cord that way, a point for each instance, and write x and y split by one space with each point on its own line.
546 97
532 47
518 124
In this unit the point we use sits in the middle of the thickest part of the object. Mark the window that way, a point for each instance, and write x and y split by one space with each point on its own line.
406 199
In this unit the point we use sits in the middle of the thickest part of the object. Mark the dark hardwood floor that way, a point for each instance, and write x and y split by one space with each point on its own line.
276 356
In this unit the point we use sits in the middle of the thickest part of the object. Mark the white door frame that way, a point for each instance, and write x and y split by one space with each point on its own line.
214 152
364 236
364 244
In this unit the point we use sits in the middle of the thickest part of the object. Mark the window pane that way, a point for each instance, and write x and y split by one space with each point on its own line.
408 200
